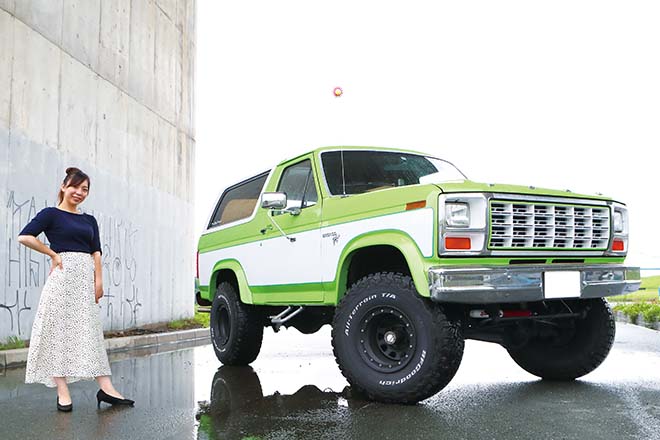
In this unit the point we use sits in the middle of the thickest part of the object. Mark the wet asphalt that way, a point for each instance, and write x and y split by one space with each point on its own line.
295 391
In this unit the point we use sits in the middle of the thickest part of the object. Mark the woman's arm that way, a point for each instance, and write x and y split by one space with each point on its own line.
98 276
34 243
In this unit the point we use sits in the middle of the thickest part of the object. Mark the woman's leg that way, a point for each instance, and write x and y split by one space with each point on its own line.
62 390
106 385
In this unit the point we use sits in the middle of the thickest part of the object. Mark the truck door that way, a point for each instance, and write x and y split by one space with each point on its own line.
293 263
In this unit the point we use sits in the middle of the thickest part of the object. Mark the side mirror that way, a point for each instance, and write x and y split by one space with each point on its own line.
274 200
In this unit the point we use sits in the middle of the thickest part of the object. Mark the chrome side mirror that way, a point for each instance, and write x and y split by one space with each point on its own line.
273 200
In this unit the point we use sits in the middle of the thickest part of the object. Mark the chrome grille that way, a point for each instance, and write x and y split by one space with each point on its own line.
523 225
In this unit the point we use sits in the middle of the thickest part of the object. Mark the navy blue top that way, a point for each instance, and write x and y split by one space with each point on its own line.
66 231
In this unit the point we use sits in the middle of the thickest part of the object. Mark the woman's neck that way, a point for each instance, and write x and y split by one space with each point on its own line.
68 207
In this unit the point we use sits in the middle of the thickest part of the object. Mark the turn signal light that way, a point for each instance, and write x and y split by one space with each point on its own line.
618 245
415 205
458 243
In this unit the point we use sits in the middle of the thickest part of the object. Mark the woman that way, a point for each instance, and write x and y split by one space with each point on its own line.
67 336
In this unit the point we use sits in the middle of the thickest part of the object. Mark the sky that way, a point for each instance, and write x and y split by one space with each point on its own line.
562 94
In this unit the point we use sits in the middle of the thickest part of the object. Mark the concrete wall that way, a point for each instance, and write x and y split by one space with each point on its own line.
107 86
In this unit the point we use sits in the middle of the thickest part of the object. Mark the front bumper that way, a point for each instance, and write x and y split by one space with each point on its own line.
526 283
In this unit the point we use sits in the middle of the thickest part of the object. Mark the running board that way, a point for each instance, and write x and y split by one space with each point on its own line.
204 309
288 313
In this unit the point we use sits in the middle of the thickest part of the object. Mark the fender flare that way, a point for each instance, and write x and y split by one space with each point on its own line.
234 266
395 238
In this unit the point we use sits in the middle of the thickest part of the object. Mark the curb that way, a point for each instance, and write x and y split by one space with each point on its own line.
18 357
621 317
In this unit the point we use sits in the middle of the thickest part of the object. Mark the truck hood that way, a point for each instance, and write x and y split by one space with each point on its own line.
468 186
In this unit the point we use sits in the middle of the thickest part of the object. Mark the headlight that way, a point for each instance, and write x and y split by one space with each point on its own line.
618 221
462 227
457 215
620 226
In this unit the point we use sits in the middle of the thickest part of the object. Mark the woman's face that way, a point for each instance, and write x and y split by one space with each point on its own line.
75 195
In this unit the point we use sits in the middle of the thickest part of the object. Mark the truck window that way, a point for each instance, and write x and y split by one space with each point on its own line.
298 183
358 171
239 201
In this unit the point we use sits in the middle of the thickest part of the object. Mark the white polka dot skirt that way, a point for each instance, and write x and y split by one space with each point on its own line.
67 335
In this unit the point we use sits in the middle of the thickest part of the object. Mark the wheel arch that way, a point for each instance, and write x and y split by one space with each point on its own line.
398 249
230 270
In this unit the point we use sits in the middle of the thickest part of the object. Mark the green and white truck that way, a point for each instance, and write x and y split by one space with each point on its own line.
406 258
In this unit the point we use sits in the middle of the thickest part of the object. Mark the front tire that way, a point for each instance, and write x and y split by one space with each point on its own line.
236 328
573 350
393 345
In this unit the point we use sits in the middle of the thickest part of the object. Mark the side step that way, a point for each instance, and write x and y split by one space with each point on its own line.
288 313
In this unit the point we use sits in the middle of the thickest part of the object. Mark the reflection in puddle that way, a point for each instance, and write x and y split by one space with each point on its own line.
238 409
162 384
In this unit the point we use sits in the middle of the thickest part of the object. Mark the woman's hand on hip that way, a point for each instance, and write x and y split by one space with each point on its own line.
98 292
55 261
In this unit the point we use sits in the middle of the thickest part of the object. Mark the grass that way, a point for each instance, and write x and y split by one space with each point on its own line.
651 282
199 320
648 291
12 342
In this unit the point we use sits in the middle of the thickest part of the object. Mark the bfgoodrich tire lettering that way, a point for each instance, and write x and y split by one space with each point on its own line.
236 330
393 345
576 353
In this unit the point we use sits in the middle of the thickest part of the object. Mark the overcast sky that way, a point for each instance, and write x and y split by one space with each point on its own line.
562 94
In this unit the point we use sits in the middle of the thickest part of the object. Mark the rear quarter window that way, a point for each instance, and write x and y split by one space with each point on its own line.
238 202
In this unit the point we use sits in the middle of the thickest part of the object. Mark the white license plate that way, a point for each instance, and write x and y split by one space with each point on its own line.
561 285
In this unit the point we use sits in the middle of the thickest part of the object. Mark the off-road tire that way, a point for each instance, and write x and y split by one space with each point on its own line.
581 354
233 388
234 392
413 368
236 328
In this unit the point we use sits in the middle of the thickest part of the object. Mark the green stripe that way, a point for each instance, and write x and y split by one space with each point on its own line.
287 288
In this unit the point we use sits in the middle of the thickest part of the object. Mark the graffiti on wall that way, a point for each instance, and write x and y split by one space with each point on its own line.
26 270
119 239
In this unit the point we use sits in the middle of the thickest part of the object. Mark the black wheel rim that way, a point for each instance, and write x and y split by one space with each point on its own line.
387 339
222 326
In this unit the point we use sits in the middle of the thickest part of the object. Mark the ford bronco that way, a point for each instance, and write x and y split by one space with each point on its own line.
406 258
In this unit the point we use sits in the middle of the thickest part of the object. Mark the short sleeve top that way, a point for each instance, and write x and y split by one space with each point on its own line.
66 231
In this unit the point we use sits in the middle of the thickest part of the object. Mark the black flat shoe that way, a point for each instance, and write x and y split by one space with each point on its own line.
64 408
102 396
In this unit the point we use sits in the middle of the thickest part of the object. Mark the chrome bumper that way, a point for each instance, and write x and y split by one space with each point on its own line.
497 284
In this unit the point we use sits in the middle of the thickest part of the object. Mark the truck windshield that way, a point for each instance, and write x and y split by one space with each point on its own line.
358 171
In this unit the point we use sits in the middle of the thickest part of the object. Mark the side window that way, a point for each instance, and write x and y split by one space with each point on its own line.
239 201
297 182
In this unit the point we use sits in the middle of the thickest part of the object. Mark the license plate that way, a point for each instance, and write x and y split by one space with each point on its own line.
561 285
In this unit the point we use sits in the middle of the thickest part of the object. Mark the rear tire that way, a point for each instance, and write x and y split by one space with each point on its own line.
236 328
233 388
391 344
573 352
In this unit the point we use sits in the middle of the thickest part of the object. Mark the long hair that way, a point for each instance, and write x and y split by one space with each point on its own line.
74 177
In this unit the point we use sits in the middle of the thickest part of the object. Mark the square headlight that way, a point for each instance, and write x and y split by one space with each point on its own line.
618 221
457 215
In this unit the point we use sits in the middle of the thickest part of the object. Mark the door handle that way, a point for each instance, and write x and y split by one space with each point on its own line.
267 228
